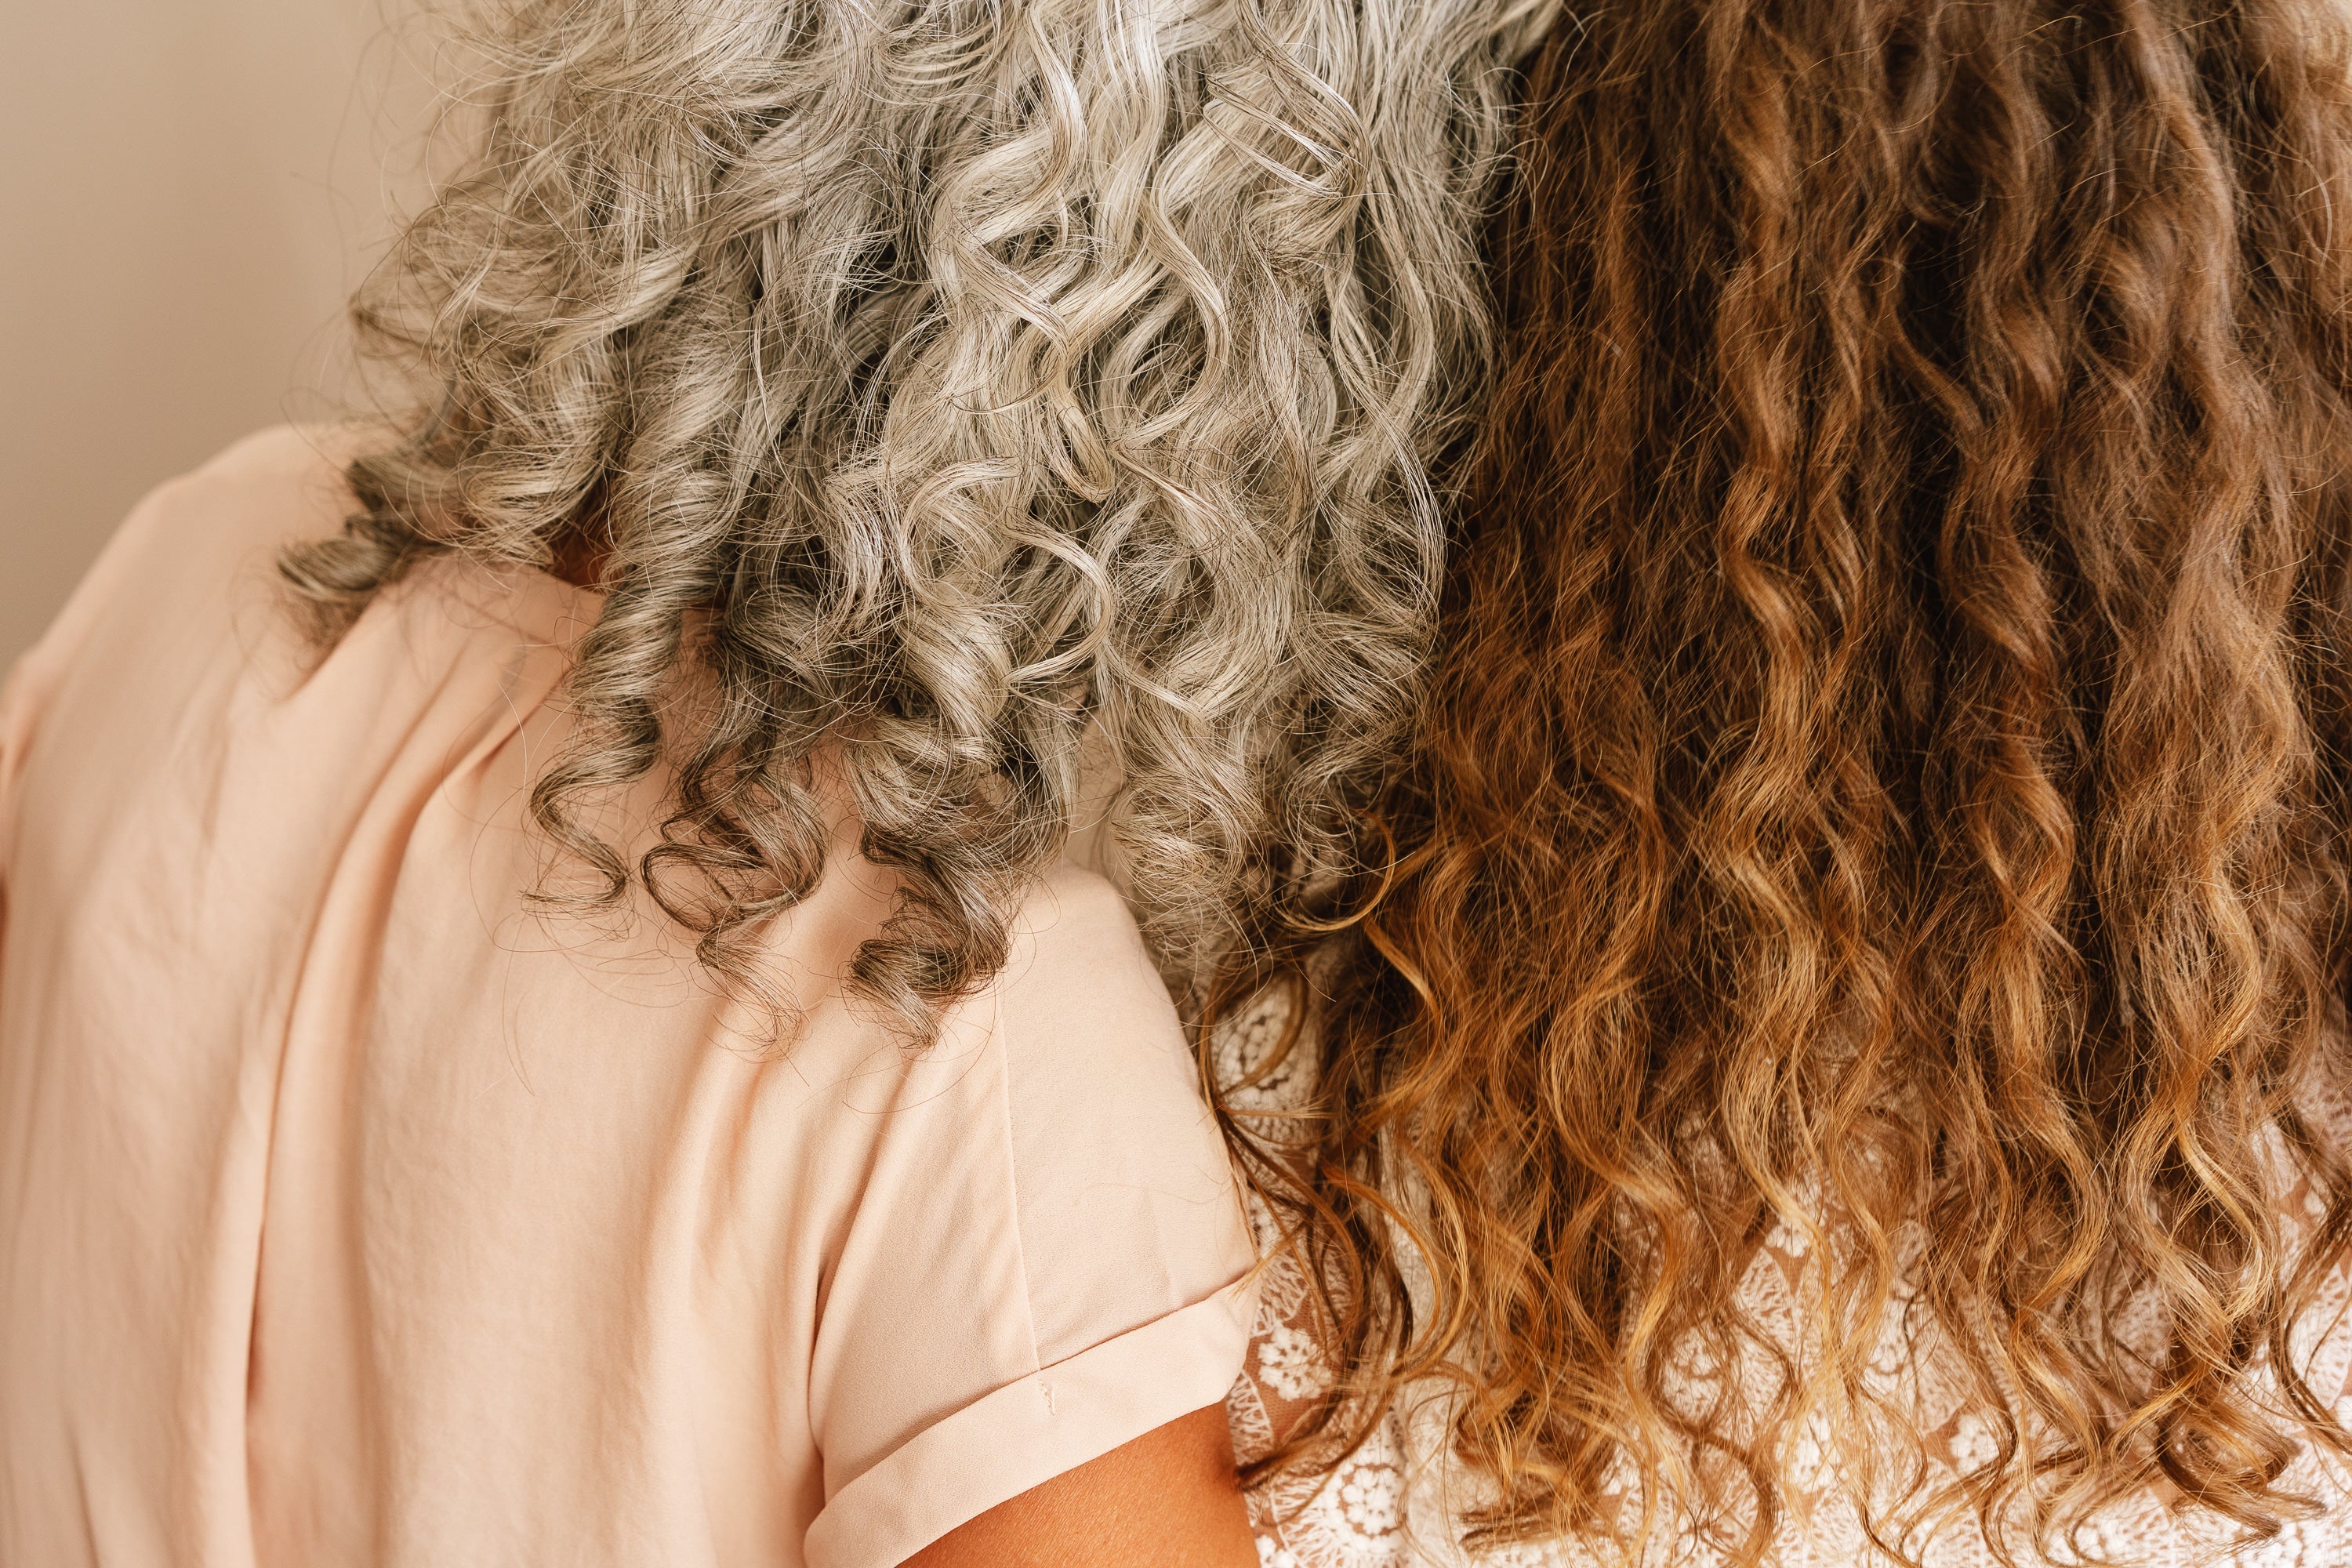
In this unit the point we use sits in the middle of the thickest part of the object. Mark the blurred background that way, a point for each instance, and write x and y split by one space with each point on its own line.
191 189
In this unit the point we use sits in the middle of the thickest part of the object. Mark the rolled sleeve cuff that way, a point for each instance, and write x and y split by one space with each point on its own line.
1026 1432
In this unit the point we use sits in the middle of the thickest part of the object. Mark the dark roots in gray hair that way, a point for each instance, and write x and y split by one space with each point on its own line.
950 380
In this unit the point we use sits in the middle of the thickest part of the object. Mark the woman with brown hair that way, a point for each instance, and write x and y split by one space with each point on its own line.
546 1013
1839 1051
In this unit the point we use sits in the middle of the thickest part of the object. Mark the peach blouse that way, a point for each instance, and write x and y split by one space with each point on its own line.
352 1212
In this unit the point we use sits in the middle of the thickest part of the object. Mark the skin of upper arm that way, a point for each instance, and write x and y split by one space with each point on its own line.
1168 1500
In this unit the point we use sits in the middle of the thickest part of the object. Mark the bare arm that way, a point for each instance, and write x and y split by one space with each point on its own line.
1168 1500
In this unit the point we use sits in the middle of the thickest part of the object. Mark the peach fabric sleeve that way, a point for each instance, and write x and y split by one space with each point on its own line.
1067 1271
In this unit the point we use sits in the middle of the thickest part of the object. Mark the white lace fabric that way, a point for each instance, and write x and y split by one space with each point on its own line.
1352 1516
1394 1501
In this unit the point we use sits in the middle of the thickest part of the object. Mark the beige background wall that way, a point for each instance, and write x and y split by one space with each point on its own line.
188 190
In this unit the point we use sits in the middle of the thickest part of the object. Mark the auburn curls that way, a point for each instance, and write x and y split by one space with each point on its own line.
1883 780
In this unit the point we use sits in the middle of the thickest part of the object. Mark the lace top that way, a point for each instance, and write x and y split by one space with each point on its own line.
1397 1500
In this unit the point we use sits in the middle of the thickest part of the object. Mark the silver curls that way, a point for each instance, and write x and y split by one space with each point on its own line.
954 380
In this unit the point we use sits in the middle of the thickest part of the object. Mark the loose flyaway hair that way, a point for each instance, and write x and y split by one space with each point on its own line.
1884 778
949 381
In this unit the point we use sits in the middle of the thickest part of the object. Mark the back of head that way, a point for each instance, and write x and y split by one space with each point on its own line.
945 380
1885 776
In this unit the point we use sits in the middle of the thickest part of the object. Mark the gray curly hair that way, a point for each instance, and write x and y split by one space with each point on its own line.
949 379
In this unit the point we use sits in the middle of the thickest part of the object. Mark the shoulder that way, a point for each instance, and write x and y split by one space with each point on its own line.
271 489
195 535
273 485
225 521
1083 1014
280 455
171 580
1075 941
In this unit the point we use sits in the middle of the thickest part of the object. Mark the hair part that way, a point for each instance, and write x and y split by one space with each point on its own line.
1884 778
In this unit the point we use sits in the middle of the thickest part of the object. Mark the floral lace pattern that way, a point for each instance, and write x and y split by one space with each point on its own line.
1352 1517
1394 1501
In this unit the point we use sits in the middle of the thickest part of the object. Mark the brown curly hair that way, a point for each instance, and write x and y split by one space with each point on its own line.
1886 770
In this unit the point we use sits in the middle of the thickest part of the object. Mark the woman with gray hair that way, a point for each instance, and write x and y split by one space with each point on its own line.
546 1013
